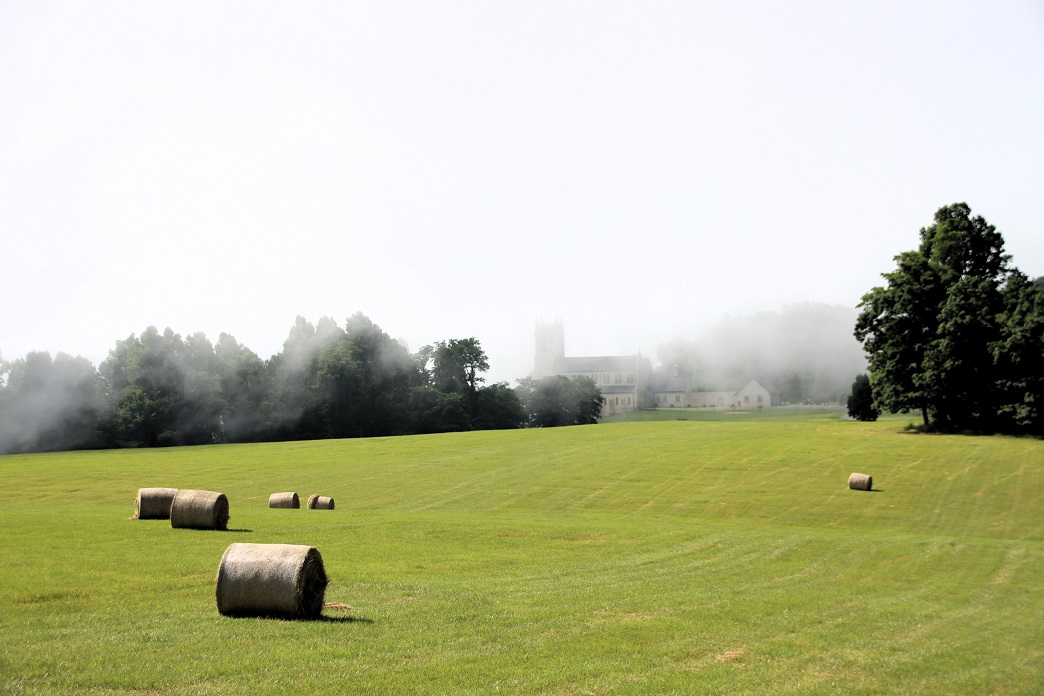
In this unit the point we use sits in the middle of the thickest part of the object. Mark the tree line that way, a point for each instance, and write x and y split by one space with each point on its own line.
159 389
957 332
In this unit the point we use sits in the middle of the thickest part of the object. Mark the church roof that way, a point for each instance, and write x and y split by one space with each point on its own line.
603 363
617 389
667 383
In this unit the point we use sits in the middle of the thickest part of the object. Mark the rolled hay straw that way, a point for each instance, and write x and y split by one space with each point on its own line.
284 500
285 580
153 503
861 482
320 502
199 510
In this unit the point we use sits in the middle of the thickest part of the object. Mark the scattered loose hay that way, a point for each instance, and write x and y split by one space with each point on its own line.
284 500
320 502
153 503
285 580
199 510
861 482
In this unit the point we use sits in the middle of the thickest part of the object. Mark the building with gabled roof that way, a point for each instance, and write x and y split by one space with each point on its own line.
628 383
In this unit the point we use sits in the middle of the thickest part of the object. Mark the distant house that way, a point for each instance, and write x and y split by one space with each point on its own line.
628 382
752 395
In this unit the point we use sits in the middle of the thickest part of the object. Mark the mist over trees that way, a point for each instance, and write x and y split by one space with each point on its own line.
160 389
805 352
559 400
957 332
50 404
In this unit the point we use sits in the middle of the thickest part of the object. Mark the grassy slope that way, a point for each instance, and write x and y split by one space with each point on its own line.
629 557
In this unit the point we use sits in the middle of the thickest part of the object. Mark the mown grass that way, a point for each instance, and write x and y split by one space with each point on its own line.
652 557
748 415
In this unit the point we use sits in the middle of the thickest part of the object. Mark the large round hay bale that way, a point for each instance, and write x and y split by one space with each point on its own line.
153 503
320 502
284 500
271 580
861 482
199 510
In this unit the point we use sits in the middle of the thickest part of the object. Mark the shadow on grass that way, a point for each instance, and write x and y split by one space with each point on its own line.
322 618
226 531
342 619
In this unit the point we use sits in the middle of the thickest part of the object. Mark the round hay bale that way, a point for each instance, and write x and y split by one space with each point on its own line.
199 510
284 500
861 482
285 580
320 502
153 503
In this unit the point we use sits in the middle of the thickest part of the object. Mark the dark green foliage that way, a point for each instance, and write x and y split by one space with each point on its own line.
895 328
1018 359
498 407
861 400
958 370
457 364
439 412
559 400
956 332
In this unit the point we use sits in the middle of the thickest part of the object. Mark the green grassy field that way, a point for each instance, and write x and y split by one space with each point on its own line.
679 556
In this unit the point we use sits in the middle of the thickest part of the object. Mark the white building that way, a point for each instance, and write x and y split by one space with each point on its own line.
628 382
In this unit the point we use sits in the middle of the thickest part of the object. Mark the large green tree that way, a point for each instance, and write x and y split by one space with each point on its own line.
950 334
559 400
364 382
146 384
458 363
896 327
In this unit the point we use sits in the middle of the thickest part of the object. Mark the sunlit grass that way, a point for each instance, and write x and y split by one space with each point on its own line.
664 557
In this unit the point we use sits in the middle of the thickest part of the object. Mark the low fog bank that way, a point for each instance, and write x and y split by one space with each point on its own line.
158 388
805 352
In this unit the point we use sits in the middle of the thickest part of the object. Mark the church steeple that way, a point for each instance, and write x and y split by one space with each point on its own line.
550 345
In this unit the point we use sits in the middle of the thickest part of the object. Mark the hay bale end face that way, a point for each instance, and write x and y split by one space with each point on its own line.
284 500
284 580
320 502
861 482
153 503
199 510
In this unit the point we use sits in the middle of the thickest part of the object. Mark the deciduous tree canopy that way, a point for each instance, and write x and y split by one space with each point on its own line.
957 333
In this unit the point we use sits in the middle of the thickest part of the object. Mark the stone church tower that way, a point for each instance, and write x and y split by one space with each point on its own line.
550 346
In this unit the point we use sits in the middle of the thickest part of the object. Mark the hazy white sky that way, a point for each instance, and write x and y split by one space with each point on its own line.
455 169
